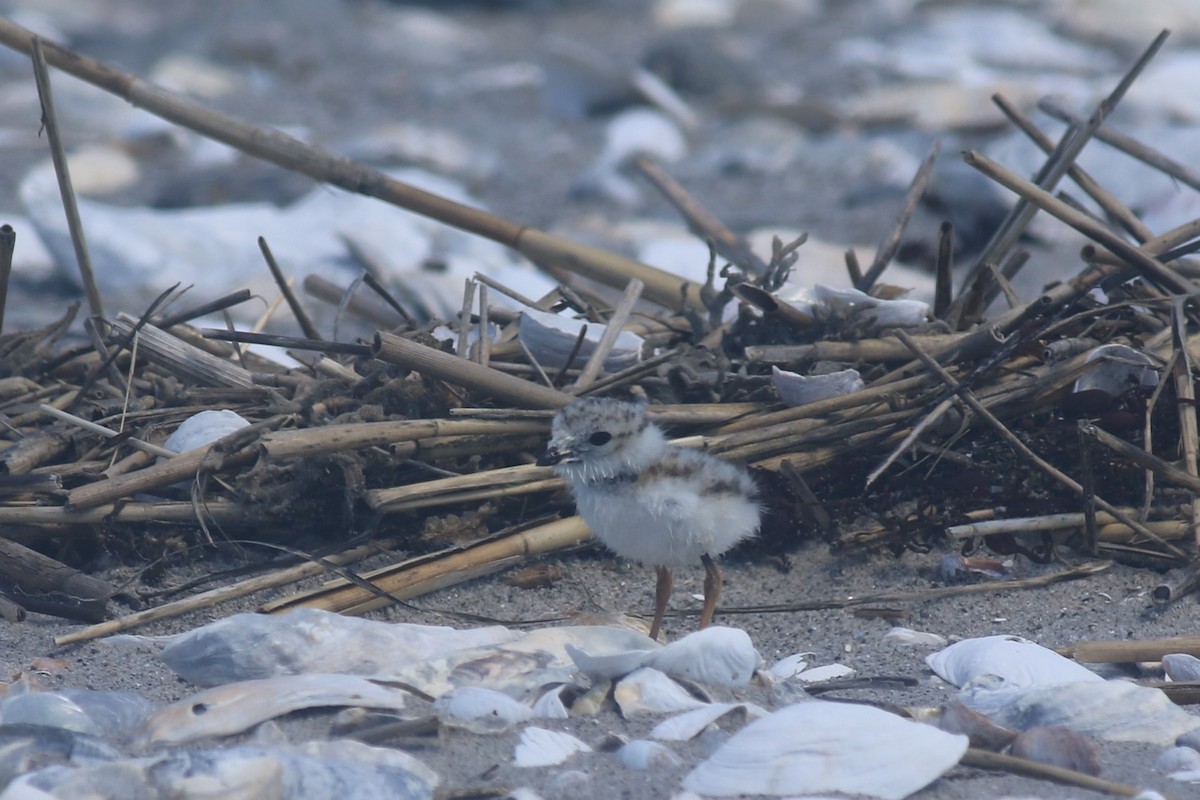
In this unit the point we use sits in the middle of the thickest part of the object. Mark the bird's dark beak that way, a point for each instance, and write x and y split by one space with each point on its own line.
551 457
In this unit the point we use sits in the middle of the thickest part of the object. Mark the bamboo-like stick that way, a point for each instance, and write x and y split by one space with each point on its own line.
428 573
225 453
180 358
1124 651
274 146
306 442
218 511
8 242
1021 447
1148 267
890 244
869 350
460 372
1137 455
58 156
1109 529
616 322
381 499
107 433
986 759
475 496
220 594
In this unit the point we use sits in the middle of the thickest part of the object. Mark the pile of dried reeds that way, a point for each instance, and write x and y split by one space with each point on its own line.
968 426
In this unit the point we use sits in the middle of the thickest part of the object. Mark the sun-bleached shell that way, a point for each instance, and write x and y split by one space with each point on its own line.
691 724
852 305
643 754
1016 662
826 672
552 337
203 429
786 667
1115 711
480 710
648 691
818 746
1116 369
250 646
797 390
230 709
550 705
717 656
1181 667
341 768
539 747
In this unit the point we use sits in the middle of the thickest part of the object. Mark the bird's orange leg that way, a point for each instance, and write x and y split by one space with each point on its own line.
662 595
713 582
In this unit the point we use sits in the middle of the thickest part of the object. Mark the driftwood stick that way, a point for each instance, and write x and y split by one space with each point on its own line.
1123 651
428 573
1002 429
460 372
217 511
40 583
278 148
58 156
889 246
700 221
220 594
285 289
986 759
1137 455
1176 583
1149 267
944 287
180 358
306 442
8 242
616 322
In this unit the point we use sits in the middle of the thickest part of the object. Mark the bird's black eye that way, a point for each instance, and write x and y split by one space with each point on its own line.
599 438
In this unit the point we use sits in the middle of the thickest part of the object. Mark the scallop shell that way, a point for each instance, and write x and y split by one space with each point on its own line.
785 668
648 691
818 746
539 747
1181 667
204 428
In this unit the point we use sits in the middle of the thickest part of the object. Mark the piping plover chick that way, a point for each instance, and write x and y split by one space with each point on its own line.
649 501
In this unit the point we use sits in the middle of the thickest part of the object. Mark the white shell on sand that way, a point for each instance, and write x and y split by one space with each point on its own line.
907 637
785 668
1181 667
851 305
225 710
248 646
826 672
691 724
817 746
341 768
480 710
648 691
1116 711
1016 662
550 705
543 748
717 656
797 390
204 428
643 754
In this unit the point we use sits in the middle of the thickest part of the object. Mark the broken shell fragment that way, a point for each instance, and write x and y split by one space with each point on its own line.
717 655
480 710
648 691
551 339
643 754
691 724
797 390
1015 662
1116 369
539 747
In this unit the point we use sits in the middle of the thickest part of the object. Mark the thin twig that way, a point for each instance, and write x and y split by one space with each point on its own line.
8 242
620 315
58 155
889 246
306 324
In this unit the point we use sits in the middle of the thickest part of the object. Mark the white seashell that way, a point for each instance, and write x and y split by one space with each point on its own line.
907 637
691 724
551 338
1181 667
1016 662
1117 369
550 705
787 667
797 390
480 710
643 754
829 672
694 13
523 793
47 709
539 747
648 691
1179 763
1114 711
716 656
824 302
237 707
250 646
201 430
819 746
